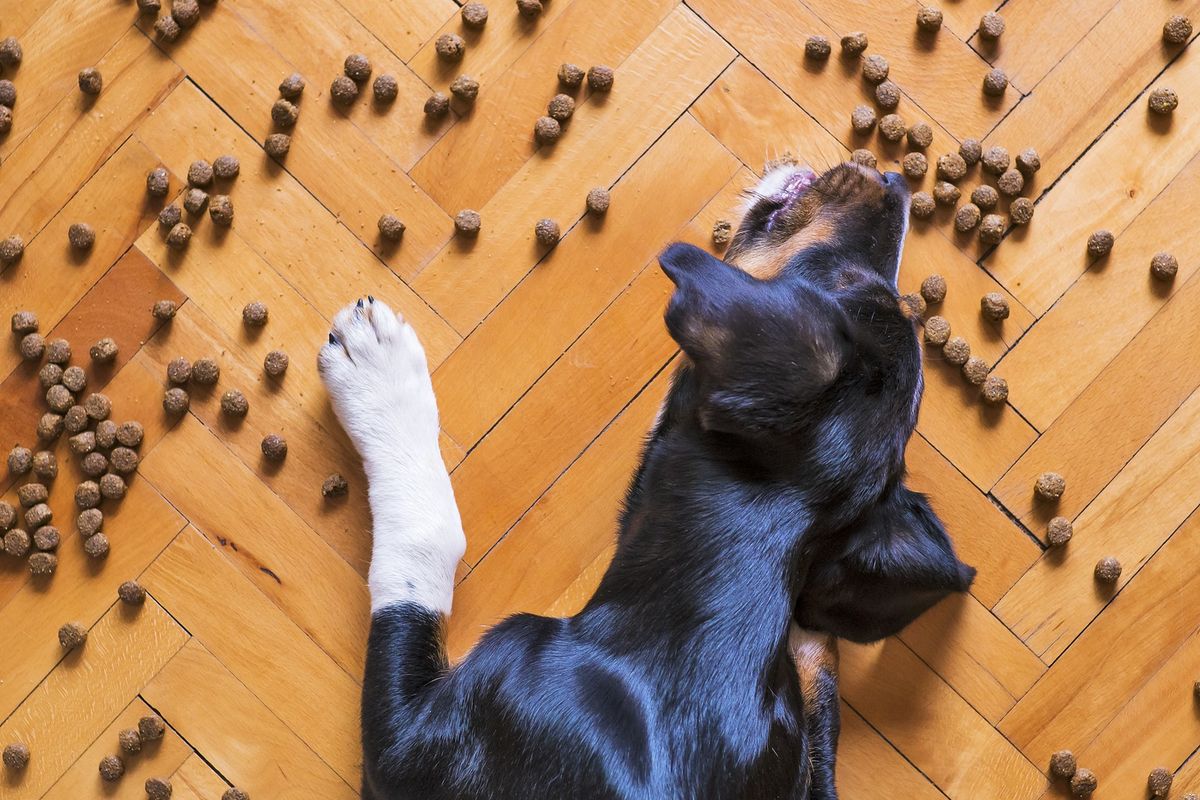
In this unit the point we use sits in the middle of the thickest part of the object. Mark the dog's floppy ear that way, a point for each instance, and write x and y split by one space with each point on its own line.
697 317
882 573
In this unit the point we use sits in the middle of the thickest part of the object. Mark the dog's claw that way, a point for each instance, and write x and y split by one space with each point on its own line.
359 303
370 298
332 339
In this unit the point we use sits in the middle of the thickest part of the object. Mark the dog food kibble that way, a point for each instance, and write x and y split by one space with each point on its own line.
185 12
385 88
600 78
438 105
892 128
158 789
59 399
72 635
1062 764
32 346
24 322
1011 182
274 447
474 15
975 370
956 350
546 130
864 158
335 486
862 118
8 515
1108 570
87 495
561 107
967 217
220 210
6 119
915 165
357 67
234 793
205 371
50 427
951 167
164 310
546 232
106 433
1028 161
8 94
994 390
133 594
1100 243
123 460
234 403
46 538
937 331
1160 781
74 378
995 82
1163 100
854 44
450 47
37 516
30 494
179 236
81 236
176 401
996 160
179 370
343 90
226 167
10 51
887 95
254 315
875 68
991 229
722 232
598 200
16 756
530 9
991 26
570 75
170 216
390 227
1177 30
1021 211
1050 485
817 48
195 201
112 768
277 145
167 29
58 351
929 18
83 442
1164 266
94 464
16 543
913 305
130 741
922 205
42 564
151 727
466 88
96 546
89 522
468 222
50 375
158 182
112 487
946 193
97 406
45 465
292 86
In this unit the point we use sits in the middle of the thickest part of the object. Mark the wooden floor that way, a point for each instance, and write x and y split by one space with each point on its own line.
549 366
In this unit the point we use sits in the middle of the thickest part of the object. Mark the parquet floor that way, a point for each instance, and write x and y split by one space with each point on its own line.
549 366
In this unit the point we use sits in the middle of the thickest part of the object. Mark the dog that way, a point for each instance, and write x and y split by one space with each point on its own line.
768 515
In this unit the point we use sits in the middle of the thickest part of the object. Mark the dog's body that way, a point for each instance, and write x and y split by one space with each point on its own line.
770 491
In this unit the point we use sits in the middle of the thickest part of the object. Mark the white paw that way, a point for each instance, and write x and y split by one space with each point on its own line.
378 380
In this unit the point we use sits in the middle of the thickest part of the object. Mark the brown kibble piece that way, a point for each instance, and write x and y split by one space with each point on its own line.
90 521
292 86
468 222
58 351
179 236
87 495
74 378
1028 161
200 173
1021 211
1164 266
97 406
123 460
722 232
90 81
112 768
335 486
937 331
45 465
956 351
10 51
1100 243
922 205
72 635
546 130
255 314
158 789
854 44
16 756
466 88
547 232
274 447
1108 570
887 95
130 433
985 196
929 18
996 160
16 543
995 82
975 370
343 90
530 9
1160 781
450 47
967 217
8 94
991 26
227 167
862 118
37 516
130 741
50 427
220 210
176 401
30 494
600 78
1177 30
195 200
234 403
915 165
81 236
1011 182
164 310
991 229
1163 100
205 372
1059 531
875 68
971 151
912 305
474 15
12 247
892 128
50 375
42 564
151 727
598 200
32 346
277 145
438 105
946 193
46 538
570 75
132 593
8 515
1062 764
112 487
817 48
234 793
561 107
24 322
864 158
167 28
185 12
920 135
59 399
390 227
106 433
283 113
951 167
169 217
275 363
1050 485
179 370
158 182
994 390
357 67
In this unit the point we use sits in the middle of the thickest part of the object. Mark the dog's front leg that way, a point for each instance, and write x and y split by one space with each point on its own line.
816 659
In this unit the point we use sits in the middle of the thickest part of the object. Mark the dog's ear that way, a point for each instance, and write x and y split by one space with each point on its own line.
705 288
883 572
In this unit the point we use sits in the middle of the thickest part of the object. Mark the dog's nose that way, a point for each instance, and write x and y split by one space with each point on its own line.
895 181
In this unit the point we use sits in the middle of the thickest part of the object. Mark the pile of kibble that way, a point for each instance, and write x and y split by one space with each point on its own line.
202 177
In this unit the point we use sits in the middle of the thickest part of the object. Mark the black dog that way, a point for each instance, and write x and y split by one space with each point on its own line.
770 493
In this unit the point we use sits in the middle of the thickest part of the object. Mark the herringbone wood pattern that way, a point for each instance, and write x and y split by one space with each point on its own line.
549 366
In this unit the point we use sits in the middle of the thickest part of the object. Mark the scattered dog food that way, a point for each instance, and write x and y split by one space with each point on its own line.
864 158
600 78
179 370
951 167
335 486
205 371
58 351
98 407
817 48
1011 182
937 331
179 236
112 768
887 95
854 44
1100 243
255 314
234 403
547 232
994 390
875 69
913 305
1063 765
1050 485
929 18
42 564
185 12
83 442
176 401
16 543
134 594
1160 781
32 346
922 205
234 793
220 210
386 88
975 370
862 119
450 47
277 145
87 495
1164 266
956 350
1028 161
59 399
1020 211
158 789
16 756
438 105
991 26
130 741
74 378
195 201
561 107
167 29
37 516
10 52
530 9
598 200
226 167
8 515
130 434
164 310
1108 570
151 727
946 193
722 232
1163 100
90 521
967 217
81 236
996 160
274 447
343 90
45 465
468 222
546 130
8 94
158 182
466 88
50 427
995 82
1177 30
914 165
170 216
570 75
6 119
292 86
72 635
50 375
46 538
123 461
991 229
358 67
892 128
390 227
30 494
200 173
24 322
112 487
474 15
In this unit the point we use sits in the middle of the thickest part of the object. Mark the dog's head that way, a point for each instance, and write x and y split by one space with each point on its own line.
806 367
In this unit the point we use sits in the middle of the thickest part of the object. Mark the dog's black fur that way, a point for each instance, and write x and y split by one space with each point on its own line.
770 491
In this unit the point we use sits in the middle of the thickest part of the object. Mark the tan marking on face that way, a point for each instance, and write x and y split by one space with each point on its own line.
766 261
813 654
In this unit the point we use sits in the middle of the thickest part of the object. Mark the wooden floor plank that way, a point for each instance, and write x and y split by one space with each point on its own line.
867 761
1025 55
195 780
